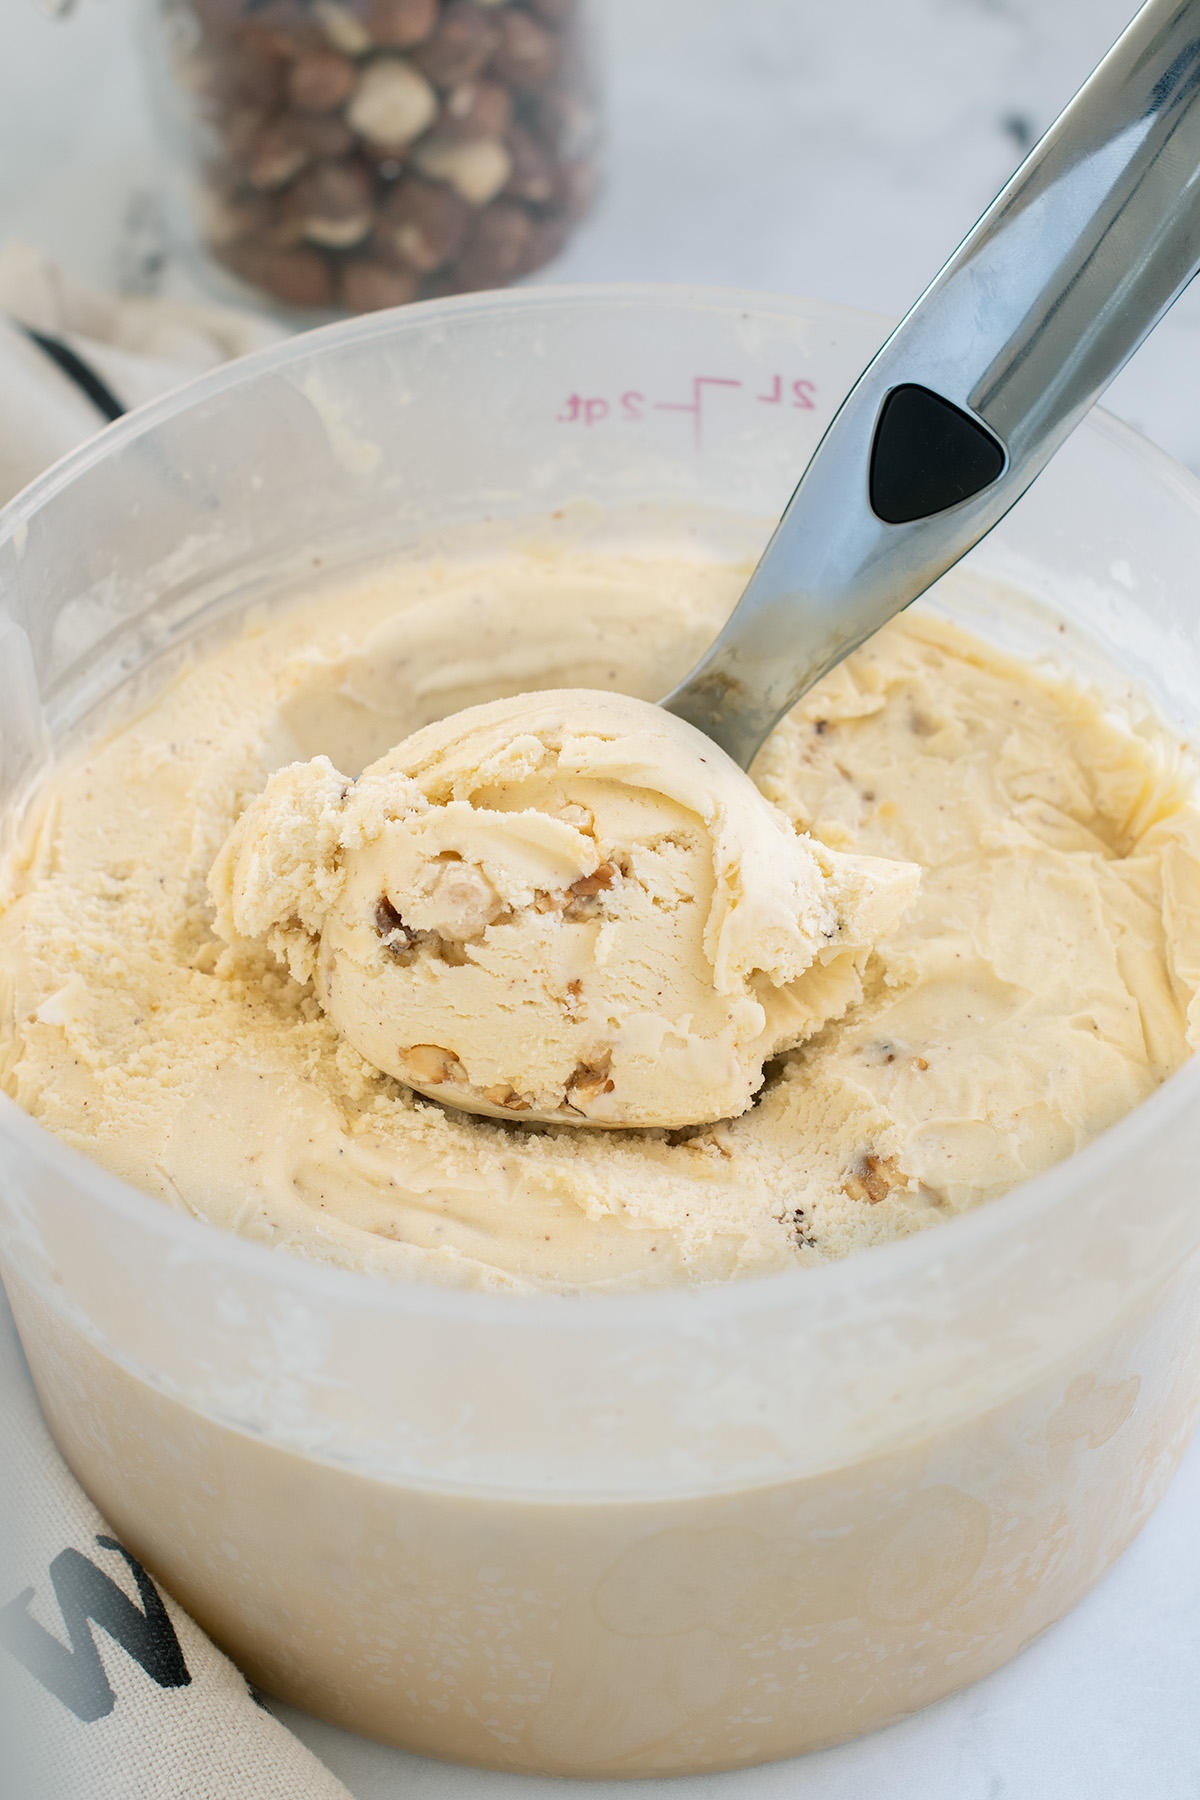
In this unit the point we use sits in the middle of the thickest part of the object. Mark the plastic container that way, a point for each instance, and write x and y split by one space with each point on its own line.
675 1531
356 154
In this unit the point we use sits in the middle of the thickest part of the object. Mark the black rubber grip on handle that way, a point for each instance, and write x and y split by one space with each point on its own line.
927 456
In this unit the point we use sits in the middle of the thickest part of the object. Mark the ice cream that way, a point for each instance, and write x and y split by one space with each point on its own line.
1041 983
567 906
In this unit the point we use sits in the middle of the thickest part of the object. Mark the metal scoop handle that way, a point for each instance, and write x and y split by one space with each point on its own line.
1043 302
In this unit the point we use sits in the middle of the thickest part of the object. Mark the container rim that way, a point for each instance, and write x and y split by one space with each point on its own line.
399 322
193 1240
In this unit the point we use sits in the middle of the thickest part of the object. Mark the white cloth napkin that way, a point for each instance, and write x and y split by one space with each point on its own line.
137 348
108 1691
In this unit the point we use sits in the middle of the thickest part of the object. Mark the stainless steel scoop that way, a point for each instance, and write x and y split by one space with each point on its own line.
1043 302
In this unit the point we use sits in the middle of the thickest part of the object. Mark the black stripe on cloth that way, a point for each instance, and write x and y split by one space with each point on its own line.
81 373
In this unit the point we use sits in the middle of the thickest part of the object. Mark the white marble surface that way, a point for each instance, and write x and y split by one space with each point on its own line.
840 151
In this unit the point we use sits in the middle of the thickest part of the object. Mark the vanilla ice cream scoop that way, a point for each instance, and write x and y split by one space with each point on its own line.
567 906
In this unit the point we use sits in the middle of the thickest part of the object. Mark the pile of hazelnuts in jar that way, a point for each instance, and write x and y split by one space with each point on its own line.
356 154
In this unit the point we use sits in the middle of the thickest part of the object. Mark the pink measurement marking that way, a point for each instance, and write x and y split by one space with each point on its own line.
590 411
804 395
631 406
695 404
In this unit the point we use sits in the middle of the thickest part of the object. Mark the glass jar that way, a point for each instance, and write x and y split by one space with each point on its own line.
346 155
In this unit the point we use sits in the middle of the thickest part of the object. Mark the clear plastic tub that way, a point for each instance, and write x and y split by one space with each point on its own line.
675 1531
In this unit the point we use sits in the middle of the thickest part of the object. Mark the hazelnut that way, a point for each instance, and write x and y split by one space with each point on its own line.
496 249
476 109
596 883
464 901
588 1083
399 24
461 44
527 55
344 29
275 156
872 1178
421 224
299 277
259 38
502 1095
430 1064
368 286
331 205
476 168
325 134
237 221
217 16
241 132
392 104
247 78
320 80
534 171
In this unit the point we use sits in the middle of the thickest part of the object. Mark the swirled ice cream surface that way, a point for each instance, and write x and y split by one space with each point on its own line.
1013 867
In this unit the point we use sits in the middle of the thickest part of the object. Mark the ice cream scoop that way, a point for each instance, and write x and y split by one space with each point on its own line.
567 906
1041 305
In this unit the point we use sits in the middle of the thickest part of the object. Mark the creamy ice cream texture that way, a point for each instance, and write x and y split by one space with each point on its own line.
565 906
1041 983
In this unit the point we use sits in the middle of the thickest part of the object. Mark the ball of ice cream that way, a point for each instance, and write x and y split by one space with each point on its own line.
567 906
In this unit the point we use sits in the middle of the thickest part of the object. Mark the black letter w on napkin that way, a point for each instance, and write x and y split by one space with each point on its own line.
87 1596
